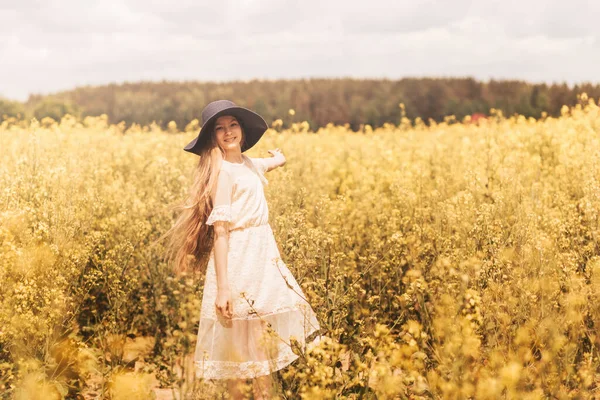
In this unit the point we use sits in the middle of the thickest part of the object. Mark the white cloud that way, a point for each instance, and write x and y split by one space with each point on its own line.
48 45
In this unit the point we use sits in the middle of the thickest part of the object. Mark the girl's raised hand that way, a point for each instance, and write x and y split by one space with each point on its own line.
278 155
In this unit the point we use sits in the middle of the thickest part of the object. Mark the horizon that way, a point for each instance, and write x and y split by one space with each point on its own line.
571 85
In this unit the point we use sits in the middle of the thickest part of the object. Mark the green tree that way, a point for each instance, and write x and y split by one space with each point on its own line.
9 108
55 109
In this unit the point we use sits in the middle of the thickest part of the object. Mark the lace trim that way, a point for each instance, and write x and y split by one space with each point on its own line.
219 213
208 369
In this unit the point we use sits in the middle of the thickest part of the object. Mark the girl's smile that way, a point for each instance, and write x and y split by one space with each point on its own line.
228 131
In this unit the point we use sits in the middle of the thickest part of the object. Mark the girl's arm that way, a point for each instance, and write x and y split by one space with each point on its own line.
224 301
220 218
278 159
221 248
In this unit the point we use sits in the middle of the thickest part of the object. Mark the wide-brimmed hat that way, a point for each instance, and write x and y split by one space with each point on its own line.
253 124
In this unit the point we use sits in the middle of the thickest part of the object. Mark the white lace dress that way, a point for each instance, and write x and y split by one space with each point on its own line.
269 307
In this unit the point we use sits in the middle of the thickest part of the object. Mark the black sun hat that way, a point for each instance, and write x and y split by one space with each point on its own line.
253 124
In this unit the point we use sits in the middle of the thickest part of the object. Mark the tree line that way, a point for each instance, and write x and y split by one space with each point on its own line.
317 101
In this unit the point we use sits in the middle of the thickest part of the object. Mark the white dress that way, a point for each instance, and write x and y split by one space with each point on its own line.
269 307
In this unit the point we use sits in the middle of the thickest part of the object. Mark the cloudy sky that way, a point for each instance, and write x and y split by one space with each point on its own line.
52 45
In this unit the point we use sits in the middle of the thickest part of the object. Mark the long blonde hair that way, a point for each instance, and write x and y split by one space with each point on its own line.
190 239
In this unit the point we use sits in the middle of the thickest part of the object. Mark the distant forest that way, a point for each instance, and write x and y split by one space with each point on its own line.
317 101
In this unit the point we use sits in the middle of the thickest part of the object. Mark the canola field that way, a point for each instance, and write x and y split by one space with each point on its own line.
455 260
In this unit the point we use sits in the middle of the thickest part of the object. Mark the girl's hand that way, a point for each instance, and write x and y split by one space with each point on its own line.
277 154
223 303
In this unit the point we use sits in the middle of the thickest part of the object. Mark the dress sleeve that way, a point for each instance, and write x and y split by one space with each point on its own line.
260 164
222 199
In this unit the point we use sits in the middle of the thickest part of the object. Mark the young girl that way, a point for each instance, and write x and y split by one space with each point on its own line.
252 307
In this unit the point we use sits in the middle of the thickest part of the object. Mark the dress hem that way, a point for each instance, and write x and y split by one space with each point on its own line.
248 369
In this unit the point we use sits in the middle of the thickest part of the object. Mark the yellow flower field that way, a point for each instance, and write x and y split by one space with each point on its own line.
452 261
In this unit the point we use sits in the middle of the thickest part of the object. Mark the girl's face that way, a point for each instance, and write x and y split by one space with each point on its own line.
228 132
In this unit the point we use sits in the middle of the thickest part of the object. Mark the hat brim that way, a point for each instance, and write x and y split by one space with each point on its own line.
254 127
